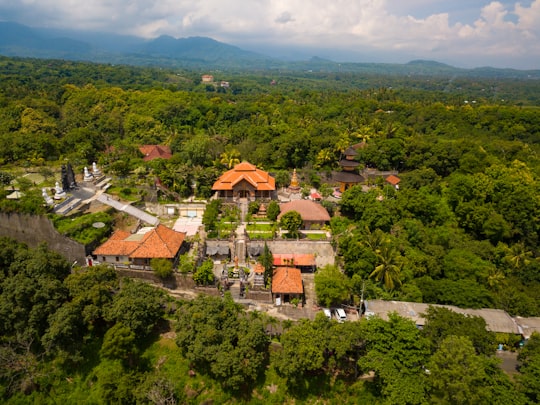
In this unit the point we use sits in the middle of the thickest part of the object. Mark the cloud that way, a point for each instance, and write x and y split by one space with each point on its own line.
499 32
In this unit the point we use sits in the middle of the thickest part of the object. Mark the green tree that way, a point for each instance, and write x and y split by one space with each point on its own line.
529 368
291 221
397 353
331 286
220 339
186 263
163 268
443 322
119 343
267 260
457 375
272 211
204 275
388 269
137 305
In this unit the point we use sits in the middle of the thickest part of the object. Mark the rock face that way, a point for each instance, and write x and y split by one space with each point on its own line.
33 230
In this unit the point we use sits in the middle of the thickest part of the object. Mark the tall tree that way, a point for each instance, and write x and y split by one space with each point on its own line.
388 269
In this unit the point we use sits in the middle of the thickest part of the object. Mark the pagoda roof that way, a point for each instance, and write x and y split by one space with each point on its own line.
347 177
348 163
245 171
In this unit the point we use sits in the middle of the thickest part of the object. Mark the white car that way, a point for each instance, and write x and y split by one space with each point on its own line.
340 315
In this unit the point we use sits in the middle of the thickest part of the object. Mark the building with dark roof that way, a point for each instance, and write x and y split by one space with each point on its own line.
348 176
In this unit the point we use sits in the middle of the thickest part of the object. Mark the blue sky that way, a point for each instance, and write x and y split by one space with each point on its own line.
464 33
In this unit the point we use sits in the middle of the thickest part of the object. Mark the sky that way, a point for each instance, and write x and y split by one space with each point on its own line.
463 33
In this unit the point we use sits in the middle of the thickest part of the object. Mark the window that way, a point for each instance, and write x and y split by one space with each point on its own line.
117 259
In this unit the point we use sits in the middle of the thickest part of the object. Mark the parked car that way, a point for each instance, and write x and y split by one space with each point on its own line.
340 315
327 313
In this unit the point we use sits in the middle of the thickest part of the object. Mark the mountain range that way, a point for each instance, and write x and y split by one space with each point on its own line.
17 40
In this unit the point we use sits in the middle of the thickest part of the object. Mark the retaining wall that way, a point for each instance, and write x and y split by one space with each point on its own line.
34 230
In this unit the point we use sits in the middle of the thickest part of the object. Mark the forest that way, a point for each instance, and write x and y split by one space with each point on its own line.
462 229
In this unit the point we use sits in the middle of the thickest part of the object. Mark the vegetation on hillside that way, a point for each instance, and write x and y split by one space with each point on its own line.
89 337
462 229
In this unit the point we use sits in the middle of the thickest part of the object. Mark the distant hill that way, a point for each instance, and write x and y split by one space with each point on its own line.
201 52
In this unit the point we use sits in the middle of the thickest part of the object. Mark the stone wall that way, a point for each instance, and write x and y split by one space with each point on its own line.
323 250
260 296
33 230
179 281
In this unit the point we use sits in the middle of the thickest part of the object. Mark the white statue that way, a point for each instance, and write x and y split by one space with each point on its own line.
95 170
59 192
87 175
46 197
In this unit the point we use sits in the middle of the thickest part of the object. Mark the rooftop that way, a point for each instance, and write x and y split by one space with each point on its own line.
159 242
308 210
287 280
245 171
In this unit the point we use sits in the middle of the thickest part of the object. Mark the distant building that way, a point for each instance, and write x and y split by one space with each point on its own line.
207 78
152 152
348 176
225 85
393 180
245 181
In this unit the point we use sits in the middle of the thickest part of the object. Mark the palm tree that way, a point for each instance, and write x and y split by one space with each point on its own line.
230 158
389 268
518 256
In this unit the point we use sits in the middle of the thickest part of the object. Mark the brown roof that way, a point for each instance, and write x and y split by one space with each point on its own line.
287 280
308 210
151 152
393 180
292 259
160 242
245 171
347 177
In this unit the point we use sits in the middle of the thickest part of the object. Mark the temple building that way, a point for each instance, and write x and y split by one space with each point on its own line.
245 181
348 176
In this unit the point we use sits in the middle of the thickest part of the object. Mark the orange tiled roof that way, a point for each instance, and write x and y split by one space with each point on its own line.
258 178
287 280
151 152
259 268
160 242
292 259
393 180
308 210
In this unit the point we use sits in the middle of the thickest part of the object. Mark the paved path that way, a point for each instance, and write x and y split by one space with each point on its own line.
128 209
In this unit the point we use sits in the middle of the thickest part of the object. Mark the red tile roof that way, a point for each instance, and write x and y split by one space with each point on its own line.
259 268
160 242
393 180
258 178
151 152
287 280
308 210
294 259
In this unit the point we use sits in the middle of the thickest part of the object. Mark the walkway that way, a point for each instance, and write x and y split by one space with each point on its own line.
128 209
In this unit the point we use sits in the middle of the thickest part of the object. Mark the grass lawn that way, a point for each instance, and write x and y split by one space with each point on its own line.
316 236
259 227
261 235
